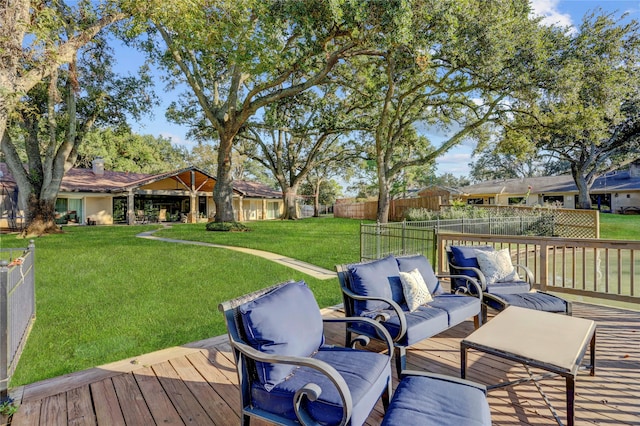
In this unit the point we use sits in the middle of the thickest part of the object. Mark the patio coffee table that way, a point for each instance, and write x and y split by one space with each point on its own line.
552 342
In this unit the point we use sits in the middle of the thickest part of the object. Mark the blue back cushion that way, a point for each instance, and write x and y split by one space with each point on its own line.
409 263
285 321
466 256
379 278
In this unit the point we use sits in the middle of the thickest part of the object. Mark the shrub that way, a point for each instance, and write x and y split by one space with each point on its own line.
227 227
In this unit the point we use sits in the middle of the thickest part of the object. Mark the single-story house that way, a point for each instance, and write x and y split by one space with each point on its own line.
104 197
615 192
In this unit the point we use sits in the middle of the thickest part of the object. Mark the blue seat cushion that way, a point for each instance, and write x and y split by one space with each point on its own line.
457 307
538 301
285 321
430 401
422 323
419 262
379 278
510 287
366 374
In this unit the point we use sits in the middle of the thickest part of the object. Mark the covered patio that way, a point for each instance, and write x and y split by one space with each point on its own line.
197 383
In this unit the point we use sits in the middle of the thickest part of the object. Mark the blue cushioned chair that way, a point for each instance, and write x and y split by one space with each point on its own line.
287 374
374 290
499 295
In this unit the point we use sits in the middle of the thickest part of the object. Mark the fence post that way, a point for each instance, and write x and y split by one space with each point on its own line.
378 240
403 243
362 239
4 328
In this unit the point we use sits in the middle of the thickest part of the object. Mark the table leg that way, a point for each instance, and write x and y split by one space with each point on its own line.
571 390
592 349
463 361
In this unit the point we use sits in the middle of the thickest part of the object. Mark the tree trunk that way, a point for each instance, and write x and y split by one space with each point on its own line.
223 190
316 198
290 205
41 216
584 198
383 192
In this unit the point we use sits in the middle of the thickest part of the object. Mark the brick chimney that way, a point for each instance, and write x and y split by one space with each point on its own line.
98 166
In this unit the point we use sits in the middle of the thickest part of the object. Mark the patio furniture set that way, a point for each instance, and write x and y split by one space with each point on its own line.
288 375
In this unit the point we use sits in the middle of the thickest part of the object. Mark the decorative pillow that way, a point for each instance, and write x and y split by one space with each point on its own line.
376 279
496 266
285 321
415 289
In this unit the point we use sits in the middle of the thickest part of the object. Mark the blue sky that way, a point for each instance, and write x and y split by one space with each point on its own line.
562 12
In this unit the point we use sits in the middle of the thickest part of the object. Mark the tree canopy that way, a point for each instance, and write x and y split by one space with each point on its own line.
587 115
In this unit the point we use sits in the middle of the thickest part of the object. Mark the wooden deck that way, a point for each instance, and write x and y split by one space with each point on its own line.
197 383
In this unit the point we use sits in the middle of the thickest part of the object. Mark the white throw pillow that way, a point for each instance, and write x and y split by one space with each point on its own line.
415 290
496 266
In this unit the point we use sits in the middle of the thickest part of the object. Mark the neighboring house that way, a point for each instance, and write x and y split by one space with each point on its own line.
103 197
615 192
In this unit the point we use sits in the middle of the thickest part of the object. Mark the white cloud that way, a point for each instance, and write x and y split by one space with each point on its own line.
548 10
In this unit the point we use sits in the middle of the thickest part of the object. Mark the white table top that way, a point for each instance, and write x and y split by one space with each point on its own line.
547 338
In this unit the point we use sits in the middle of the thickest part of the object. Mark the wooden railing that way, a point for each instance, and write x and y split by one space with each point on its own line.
603 269
17 307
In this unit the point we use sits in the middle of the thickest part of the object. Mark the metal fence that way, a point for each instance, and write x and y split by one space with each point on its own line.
398 238
17 307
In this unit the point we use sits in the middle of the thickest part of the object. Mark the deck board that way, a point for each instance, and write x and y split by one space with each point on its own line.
198 384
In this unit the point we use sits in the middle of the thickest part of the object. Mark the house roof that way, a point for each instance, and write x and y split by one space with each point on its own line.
255 189
616 181
85 180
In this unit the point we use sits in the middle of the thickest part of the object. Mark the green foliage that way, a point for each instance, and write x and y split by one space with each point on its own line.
227 227
130 152
8 407
329 191
457 73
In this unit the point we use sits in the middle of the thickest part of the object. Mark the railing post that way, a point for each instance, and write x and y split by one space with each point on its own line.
403 243
544 265
4 328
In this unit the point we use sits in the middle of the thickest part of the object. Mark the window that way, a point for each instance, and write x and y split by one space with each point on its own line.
69 210
553 199
475 201
516 200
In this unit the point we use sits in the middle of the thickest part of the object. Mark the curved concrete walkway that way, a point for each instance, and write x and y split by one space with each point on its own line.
298 265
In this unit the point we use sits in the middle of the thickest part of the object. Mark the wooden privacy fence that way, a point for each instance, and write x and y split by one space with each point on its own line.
17 307
604 269
368 210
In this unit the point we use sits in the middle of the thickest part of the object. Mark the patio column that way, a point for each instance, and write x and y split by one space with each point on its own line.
131 214
240 210
193 206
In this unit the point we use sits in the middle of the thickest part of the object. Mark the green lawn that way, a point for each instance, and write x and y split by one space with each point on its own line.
620 227
104 295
